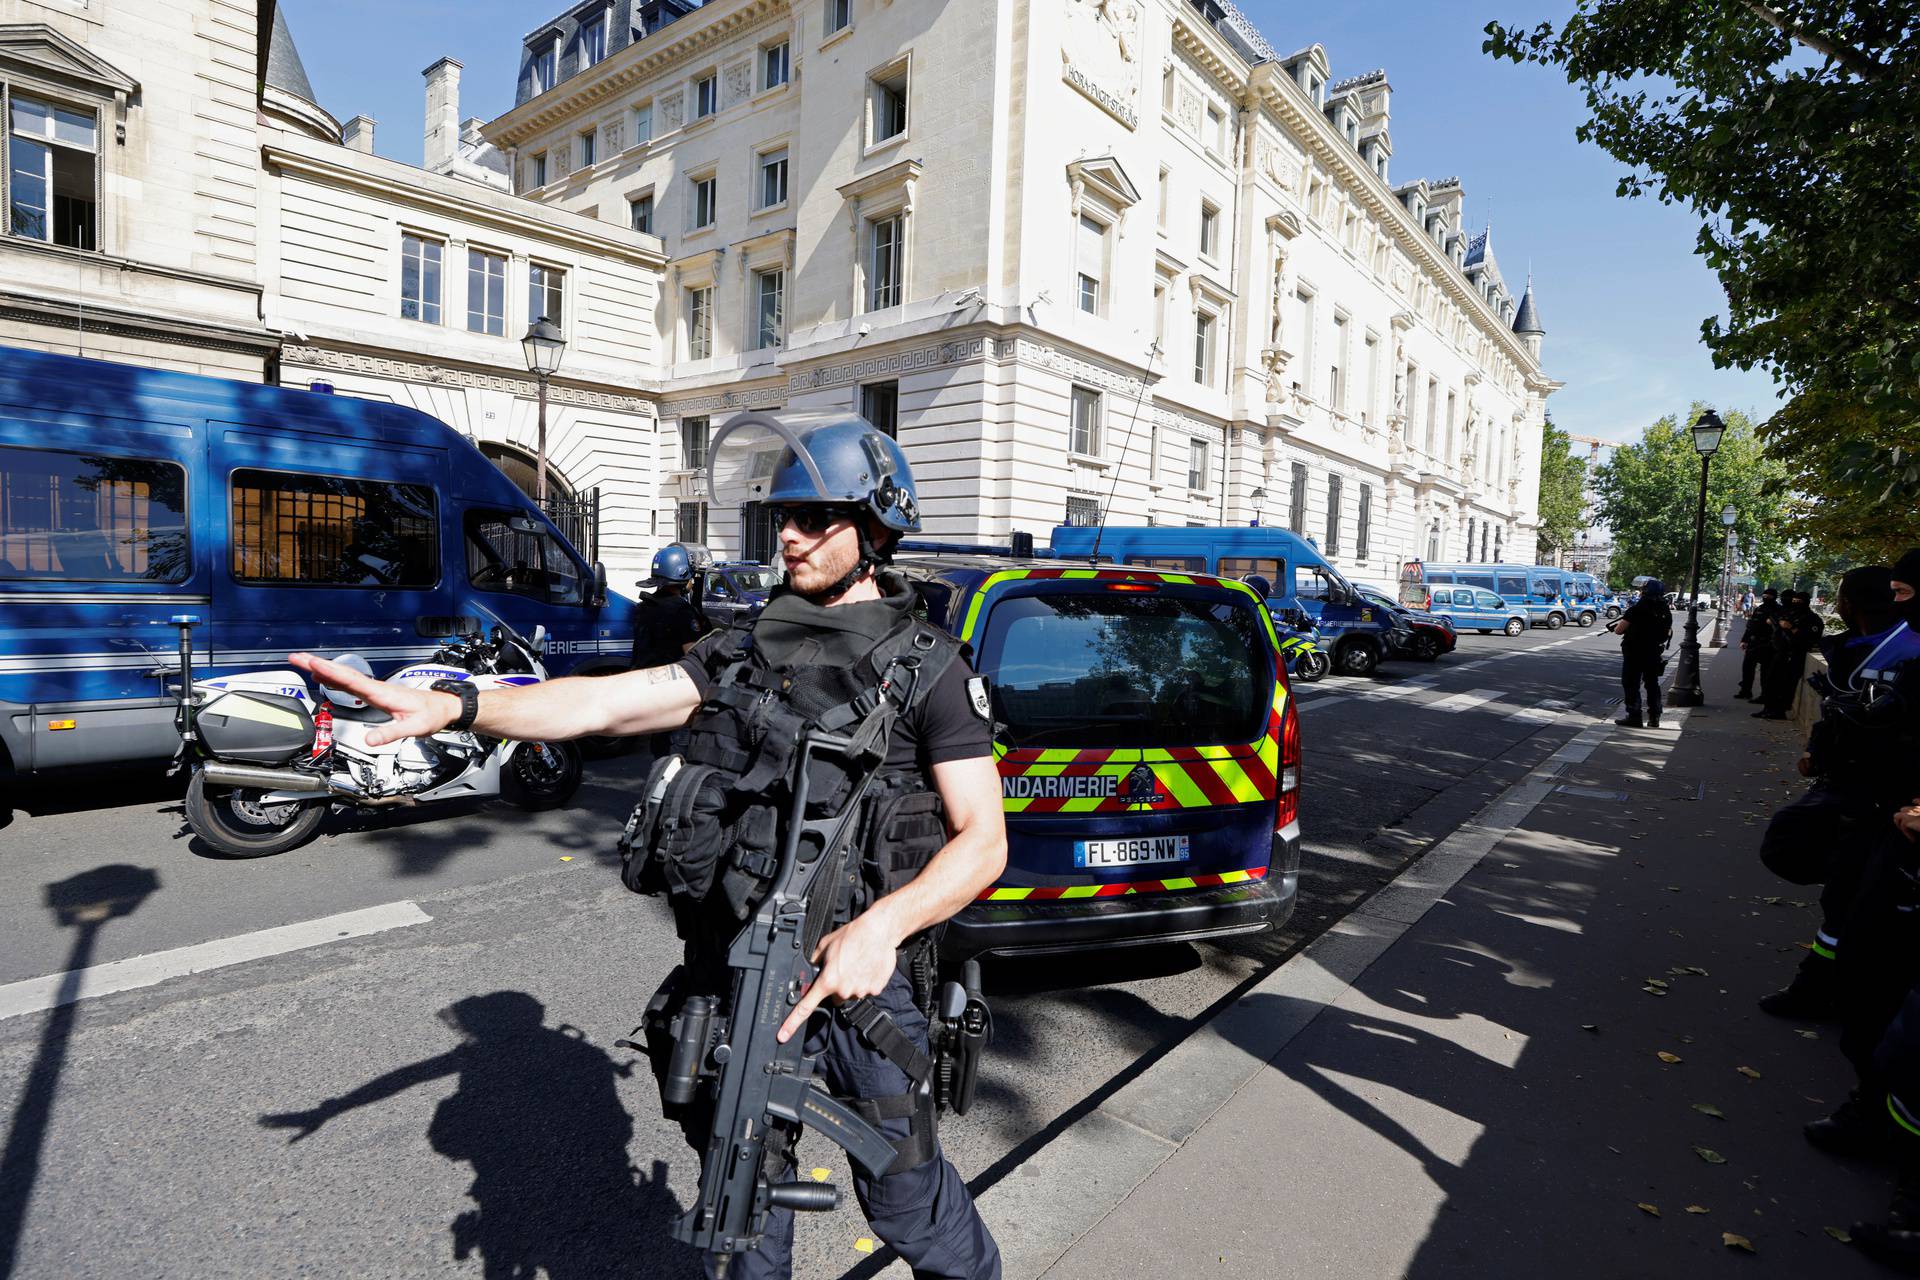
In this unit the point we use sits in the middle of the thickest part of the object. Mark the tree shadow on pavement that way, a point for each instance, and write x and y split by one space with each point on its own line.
538 1117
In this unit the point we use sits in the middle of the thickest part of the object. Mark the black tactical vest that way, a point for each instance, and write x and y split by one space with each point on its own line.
711 817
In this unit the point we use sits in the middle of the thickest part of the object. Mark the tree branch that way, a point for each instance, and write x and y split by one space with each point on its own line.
1850 58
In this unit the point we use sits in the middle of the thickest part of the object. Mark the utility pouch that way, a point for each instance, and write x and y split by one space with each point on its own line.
673 840
903 830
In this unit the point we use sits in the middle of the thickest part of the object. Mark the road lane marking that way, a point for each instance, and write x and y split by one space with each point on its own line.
1533 715
33 995
1466 701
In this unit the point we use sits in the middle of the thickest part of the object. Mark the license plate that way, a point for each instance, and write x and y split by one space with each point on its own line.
1129 852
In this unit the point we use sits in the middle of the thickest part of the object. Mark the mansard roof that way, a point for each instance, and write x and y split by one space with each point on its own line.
1225 17
1479 249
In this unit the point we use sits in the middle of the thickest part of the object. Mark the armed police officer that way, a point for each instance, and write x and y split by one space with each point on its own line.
666 621
1756 644
1644 630
837 650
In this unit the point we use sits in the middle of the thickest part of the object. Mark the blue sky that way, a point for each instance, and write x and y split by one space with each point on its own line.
1620 290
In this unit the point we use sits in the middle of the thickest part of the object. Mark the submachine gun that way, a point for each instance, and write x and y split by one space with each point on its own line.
758 1083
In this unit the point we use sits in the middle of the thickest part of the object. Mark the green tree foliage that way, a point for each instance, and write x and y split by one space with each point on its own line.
1563 478
1648 493
1792 127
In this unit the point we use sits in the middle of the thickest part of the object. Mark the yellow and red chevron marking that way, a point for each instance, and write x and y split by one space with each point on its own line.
1186 777
1120 889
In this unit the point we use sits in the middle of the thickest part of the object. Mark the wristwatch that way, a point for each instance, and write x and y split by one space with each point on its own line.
469 702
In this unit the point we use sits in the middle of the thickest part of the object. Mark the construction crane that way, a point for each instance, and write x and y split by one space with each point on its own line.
1594 445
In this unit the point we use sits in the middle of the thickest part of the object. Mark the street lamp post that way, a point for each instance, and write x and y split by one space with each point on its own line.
1707 431
1258 500
543 345
1728 515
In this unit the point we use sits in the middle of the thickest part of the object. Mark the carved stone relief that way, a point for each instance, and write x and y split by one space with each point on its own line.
673 111
1100 55
739 82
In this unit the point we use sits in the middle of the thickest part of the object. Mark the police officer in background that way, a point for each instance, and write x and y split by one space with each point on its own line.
1756 642
1798 632
1644 630
666 621
841 495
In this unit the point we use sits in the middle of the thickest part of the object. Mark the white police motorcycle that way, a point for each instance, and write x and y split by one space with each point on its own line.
270 760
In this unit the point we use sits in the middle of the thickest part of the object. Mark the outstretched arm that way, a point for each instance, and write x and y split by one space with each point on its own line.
646 701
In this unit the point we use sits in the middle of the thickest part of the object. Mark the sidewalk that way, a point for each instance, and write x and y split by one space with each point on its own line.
1485 1098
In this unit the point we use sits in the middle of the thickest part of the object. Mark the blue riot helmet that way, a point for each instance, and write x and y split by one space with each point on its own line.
792 459
672 564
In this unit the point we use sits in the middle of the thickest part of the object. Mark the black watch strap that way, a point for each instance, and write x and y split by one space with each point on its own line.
469 702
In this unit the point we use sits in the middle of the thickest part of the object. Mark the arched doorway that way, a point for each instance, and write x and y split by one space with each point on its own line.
575 514
523 469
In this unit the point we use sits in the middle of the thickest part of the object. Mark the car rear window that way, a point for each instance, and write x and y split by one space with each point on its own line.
1117 669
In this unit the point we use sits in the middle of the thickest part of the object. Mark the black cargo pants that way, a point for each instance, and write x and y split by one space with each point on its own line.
1640 671
926 1214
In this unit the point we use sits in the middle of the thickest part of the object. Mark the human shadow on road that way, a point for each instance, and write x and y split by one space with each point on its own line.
538 1117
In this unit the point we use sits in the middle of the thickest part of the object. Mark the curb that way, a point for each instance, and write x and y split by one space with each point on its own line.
1046 1204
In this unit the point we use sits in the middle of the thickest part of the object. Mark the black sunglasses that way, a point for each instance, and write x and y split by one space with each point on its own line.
810 519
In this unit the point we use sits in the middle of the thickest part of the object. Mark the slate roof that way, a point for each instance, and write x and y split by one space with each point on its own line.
1527 318
283 70
1477 247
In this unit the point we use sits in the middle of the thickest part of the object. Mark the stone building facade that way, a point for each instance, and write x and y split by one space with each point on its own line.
1082 256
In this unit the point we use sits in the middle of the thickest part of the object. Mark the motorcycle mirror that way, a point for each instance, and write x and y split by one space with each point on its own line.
539 644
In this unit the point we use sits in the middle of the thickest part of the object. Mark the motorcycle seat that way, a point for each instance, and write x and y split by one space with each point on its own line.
361 715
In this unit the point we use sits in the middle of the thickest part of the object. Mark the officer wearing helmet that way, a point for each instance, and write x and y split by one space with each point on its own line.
841 632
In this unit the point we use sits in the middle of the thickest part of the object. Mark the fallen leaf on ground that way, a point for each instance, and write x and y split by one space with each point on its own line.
1589 1026
1810 1035
1709 1155
1708 1109
1748 1072
1696 1208
1733 1241
1646 1208
1655 991
1664 1056
1838 1234
1656 982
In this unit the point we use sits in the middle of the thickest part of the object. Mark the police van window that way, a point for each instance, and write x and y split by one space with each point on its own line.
333 531
1118 670
70 517
529 563
1482 580
1173 564
1273 571
1439 577
1512 586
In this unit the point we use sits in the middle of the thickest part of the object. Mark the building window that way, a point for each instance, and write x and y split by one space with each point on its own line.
1082 513
420 279
643 123
700 323
1216 130
546 65
640 211
1091 252
1160 210
880 406
706 202
706 96
1197 464
887 105
1496 544
839 15
1085 437
1297 499
588 150
1159 318
1372 391
884 262
1203 324
1363 534
1304 300
770 292
1333 515
1450 459
593 40
537 171
694 434
486 292
776 65
1336 374
773 178
546 294
51 173
1209 230
690 522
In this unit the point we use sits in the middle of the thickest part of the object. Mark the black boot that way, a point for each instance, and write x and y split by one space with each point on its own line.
1631 720
1859 1129
1812 996
1653 716
1895 1243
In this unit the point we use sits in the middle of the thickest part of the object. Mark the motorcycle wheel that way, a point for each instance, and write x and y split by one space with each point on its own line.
541 775
233 822
1310 667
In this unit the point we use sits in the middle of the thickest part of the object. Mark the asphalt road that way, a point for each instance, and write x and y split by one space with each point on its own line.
445 1097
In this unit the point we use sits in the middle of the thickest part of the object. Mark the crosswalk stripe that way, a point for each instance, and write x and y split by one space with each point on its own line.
1466 701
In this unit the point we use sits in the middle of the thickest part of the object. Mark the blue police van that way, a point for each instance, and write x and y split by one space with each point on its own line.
1538 590
1354 631
282 520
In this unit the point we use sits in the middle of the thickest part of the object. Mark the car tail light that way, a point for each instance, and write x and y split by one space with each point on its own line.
1287 810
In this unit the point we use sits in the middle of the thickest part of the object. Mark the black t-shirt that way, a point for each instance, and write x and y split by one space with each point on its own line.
943 725
663 626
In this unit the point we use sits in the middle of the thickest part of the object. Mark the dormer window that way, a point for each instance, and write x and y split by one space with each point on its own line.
1353 132
593 38
546 66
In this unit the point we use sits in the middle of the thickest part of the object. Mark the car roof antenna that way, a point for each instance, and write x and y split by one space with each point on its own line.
1147 379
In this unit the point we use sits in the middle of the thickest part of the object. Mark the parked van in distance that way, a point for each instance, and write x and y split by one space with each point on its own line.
1539 590
283 520
1353 630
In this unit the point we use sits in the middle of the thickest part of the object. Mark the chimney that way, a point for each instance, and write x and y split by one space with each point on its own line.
443 114
357 134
